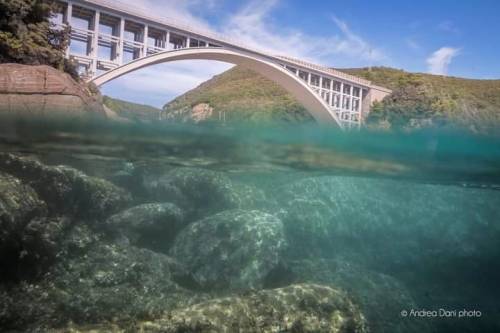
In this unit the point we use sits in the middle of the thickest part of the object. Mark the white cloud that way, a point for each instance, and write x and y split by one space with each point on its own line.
253 27
439 61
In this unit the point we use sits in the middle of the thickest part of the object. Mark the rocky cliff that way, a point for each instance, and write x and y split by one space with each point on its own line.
43 90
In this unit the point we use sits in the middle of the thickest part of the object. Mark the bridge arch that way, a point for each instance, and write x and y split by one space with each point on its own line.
318 108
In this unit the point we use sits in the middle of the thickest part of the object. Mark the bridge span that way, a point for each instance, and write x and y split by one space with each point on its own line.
110 39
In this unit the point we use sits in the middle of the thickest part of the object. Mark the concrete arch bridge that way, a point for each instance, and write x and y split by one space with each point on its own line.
110 39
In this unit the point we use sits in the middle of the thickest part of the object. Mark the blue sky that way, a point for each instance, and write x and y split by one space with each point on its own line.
458 38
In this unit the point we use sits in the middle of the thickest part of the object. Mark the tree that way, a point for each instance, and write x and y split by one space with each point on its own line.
28 37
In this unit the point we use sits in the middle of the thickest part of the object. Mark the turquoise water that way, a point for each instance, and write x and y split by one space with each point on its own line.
406 224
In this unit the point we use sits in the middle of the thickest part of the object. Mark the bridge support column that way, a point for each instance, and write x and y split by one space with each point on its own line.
331 93
121 43
145 38
167 43
341 114
365 104
95 42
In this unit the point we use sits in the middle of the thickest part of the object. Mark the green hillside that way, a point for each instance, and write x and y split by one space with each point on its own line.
418 100
432 100
132 111
240 94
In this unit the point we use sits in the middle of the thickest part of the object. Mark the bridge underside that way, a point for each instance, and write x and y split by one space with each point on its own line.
312 101
108 41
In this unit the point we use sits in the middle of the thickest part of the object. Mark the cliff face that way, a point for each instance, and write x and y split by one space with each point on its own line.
44 91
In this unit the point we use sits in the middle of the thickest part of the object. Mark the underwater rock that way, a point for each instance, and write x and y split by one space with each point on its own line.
232 250
296 308
151 226
387 222
130 177
67 190
95 282
202 192
380 297
192 187
250 197
26 235
19 203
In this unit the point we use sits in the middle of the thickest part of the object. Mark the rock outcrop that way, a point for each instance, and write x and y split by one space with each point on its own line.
199 113
44 91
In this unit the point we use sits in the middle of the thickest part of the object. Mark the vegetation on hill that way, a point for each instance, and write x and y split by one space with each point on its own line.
240 94
132 111
28 37
421 100
418 100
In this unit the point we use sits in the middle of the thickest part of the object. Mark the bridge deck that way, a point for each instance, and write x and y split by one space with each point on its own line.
107 34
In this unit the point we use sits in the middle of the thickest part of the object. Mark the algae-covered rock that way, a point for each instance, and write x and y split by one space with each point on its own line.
25 232
67 190
381 297
235 249
203 192
297 308
94 282
152 225
19 203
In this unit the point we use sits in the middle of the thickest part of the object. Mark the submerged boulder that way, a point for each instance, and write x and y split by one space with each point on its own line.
192 187
94 282
152 226
22 215
235 249
202 192
19 203
67 190
297 308
381 297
